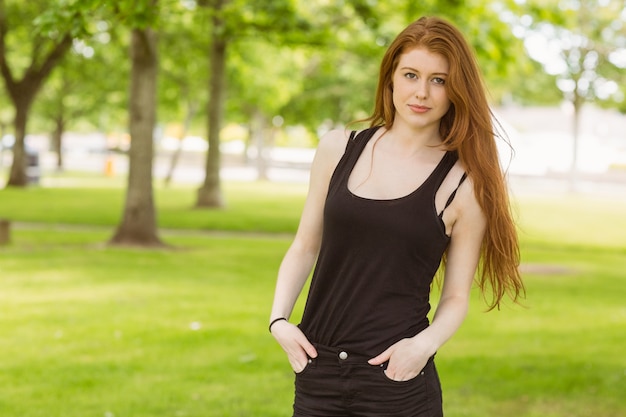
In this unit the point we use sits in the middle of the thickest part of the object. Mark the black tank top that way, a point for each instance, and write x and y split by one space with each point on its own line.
371 283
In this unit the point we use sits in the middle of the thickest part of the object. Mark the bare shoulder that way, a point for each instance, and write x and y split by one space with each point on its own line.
469 211
333 142
330 149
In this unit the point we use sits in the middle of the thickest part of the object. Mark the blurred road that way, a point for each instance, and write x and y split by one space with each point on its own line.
540 136
292 165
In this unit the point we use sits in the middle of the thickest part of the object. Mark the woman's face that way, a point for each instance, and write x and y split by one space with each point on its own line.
419 92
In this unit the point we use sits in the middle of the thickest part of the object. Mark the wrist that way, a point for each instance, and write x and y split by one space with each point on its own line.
276 320
426 343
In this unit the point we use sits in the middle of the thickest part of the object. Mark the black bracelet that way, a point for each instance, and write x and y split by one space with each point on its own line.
274 321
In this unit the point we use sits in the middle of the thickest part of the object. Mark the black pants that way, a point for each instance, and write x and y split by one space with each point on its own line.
339 383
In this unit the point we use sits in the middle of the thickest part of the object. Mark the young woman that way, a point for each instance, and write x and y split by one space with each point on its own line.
385 206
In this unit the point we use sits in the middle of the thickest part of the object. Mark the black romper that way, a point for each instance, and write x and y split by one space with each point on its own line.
371 283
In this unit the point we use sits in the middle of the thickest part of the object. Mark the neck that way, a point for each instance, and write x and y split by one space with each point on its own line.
413 140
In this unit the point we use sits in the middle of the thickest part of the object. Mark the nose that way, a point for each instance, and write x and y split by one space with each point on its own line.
421 89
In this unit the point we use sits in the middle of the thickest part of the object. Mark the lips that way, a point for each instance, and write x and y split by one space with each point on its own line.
418 109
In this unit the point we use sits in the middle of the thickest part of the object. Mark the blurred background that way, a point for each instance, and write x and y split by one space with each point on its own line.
154 156
261 80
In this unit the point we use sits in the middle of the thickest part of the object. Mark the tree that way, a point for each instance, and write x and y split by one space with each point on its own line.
210 193
182 73
340 72
237 24
29 23
341 76
85 88
138 225
230 20
583 43
261 89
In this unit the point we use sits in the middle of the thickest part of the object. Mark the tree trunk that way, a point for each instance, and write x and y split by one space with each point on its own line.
247 143
5 232
578 102
22 93
57 140
138 226
210 194
2 131
258 131
17 175
191 112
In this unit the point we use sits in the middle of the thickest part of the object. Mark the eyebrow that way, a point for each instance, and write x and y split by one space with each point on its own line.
415 70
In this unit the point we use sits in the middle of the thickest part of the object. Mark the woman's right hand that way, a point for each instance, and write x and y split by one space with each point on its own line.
294 343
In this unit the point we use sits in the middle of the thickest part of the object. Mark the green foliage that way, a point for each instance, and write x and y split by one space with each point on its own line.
136 13
270 19
84 89
30 32
66 17
184 41
339 78
260 84
532 86
585 35
313 63
338 87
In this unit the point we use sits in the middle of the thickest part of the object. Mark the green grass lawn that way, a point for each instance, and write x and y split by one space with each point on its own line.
93 330
256 207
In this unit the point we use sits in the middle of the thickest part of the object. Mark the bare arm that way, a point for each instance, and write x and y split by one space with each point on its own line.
463 257
409 356
302 254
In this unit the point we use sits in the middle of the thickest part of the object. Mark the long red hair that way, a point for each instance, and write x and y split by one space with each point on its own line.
468 129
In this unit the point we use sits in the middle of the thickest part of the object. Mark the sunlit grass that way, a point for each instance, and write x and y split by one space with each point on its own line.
93 330
573 219
257 207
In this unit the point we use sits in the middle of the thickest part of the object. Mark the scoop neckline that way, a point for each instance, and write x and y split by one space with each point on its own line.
415 191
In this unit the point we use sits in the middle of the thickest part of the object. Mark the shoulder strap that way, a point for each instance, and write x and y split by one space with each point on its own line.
358 139
453 194
354 146
441 171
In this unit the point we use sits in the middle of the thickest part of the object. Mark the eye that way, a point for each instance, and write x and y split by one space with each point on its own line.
439 80
410 76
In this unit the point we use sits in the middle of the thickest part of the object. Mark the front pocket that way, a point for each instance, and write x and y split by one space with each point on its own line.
310 364
408 381
400 398
416 378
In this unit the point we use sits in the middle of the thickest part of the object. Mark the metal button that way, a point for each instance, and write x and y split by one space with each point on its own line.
343 355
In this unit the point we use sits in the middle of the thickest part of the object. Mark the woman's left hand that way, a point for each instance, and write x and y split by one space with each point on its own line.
406 359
